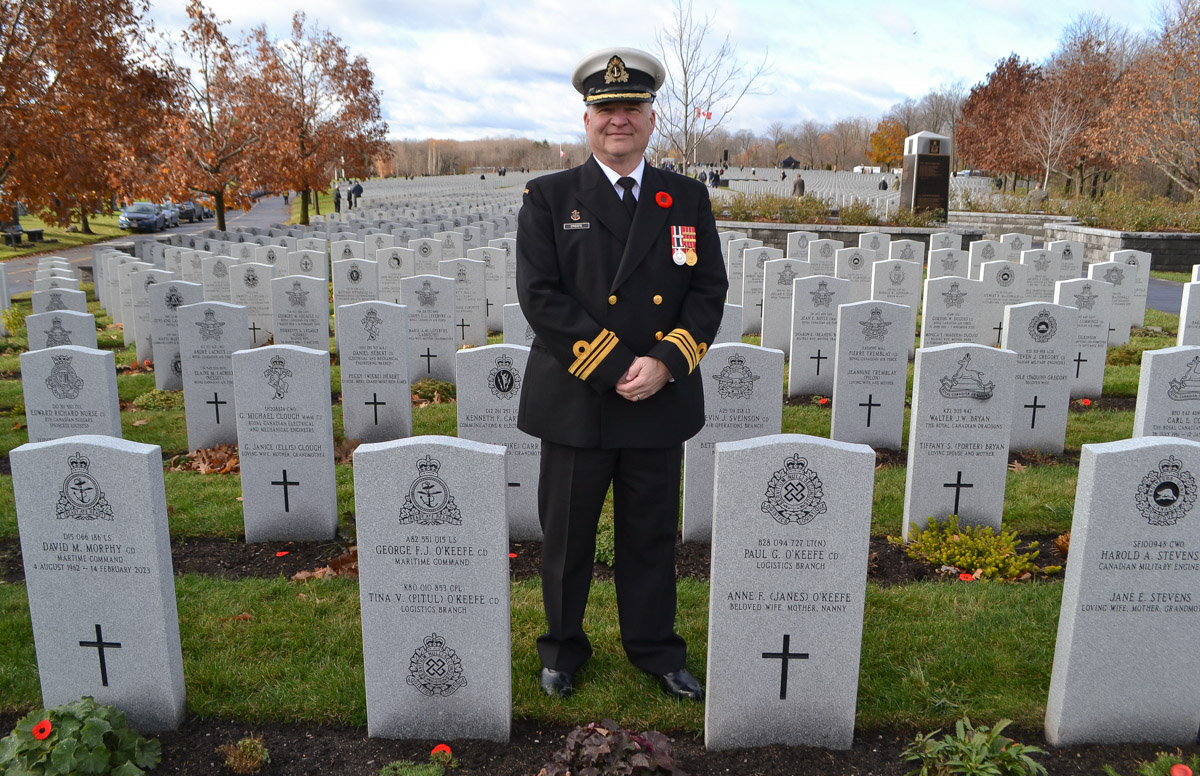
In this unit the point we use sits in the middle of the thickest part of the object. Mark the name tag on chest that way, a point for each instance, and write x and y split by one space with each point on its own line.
583 225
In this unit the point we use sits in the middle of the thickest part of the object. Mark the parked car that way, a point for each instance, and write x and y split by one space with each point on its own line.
187 212
171 211
142 217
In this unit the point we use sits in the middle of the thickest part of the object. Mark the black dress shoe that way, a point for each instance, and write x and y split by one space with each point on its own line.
681 684
558 684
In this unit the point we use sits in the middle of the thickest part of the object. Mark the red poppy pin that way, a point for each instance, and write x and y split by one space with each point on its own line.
1179 769
965 577
441 749
663 199
41 731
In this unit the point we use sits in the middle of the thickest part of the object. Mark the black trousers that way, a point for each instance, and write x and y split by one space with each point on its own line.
574 482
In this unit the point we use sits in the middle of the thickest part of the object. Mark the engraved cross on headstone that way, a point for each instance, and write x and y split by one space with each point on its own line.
870 403
285 482
818 358
1035 407
216 403
428 356
375 404
783 656
958 485
100 645
254 330
1079 361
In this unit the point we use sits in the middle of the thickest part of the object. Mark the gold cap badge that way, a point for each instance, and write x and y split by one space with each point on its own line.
616 73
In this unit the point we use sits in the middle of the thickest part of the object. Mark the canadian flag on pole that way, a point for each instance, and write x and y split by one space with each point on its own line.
703 114
560 153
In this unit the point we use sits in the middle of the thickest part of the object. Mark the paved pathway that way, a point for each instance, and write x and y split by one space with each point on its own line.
267 211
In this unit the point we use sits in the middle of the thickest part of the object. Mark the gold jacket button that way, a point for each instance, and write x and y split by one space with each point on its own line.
612 299
658 298
658 335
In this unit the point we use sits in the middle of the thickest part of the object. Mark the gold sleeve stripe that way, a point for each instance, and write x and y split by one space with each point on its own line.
691 351
590 354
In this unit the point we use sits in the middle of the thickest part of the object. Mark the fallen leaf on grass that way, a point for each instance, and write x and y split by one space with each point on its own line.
343 452
139 423
1017 466
244 616
344 565
221 459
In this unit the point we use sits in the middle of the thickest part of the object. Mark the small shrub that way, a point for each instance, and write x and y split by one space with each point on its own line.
1062 543
858 214
1124 355
974 549
771 207
159 400
246 756
77 737
606 543
973 750
607 748
1166 764
13 319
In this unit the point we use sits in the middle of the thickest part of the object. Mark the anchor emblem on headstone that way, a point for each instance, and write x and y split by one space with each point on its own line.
429 501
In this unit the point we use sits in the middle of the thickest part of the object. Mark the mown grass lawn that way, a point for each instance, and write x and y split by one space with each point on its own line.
932 651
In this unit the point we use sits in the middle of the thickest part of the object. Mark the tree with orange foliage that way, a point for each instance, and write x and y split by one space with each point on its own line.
1154 114
325 109
77 103
212 143
886 147
989 129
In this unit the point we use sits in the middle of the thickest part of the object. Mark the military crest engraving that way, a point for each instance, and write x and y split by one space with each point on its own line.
1186 387
371 323
826 251
435 669
298 296
1005 277
856 260
56 334
1043 327
787 275
907 253
55 303
896 276
954 297
1166 495
1086 300
306 263
504 381
949 263
988 253
1114 275
822 297
63 382
210 327
735 380
250 278
354 274
429 501
794 494
173 298
277 374
1042 262
966 382
81 497
220 270
875 327
426 294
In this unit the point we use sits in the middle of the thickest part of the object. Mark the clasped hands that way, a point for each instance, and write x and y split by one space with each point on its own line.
645 377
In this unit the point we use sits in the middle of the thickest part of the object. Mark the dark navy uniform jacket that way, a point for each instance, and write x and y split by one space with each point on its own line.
598 291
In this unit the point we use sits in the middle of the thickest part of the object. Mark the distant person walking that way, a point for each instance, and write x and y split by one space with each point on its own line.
357 192
1038 197
337 199
798 186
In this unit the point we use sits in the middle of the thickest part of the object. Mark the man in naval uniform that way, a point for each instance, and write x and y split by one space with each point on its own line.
620 275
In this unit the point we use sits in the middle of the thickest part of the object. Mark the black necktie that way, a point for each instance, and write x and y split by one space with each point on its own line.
628 199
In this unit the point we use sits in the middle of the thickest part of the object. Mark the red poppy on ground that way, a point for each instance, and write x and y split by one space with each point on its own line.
663 199
146 363
440 749
1179 769
822 401
512 555
41 731
281 553
965 577
1086 402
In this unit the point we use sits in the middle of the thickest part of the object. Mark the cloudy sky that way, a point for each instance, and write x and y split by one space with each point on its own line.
464 70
